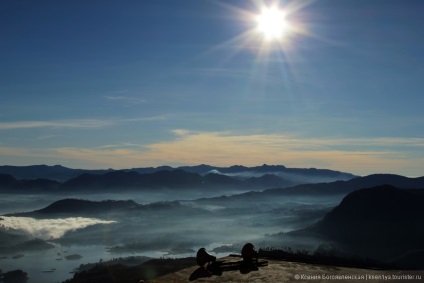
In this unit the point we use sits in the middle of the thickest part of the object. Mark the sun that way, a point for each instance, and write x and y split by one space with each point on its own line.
272 23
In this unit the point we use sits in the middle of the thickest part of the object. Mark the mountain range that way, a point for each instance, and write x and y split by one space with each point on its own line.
337 188
62 174
345 187
58 178
187 178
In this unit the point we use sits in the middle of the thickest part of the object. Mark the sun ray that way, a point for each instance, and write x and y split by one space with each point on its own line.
272 41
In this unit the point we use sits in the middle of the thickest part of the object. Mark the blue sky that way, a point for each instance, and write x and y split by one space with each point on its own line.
121 84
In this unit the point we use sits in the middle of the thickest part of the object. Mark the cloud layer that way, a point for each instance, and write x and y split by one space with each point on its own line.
360 156
75 123
50 228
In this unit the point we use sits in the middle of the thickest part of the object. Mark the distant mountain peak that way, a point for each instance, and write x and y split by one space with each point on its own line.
72 205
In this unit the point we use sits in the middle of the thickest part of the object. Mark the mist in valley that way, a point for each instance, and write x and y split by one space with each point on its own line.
160 224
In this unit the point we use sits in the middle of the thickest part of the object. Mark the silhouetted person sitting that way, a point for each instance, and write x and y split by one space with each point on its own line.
249 253
203 257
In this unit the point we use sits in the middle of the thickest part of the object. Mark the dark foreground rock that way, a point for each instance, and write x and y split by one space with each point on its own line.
286 271
186 270
120 273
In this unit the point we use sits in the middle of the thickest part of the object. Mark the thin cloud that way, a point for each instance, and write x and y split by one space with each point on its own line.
229 73
46 137
77 123
14 151
127 100
119 145
146 119
89 123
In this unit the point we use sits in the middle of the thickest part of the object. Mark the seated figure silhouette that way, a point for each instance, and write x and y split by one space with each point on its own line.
208 265
250 255
203 257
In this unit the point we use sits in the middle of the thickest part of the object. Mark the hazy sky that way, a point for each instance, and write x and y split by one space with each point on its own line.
120 84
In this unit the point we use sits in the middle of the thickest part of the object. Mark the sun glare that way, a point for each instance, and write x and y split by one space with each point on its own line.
269 27
272 23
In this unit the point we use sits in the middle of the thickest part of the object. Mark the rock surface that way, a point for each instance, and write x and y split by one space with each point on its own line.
285 271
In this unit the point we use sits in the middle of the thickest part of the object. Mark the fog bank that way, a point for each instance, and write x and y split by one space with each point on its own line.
47 229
